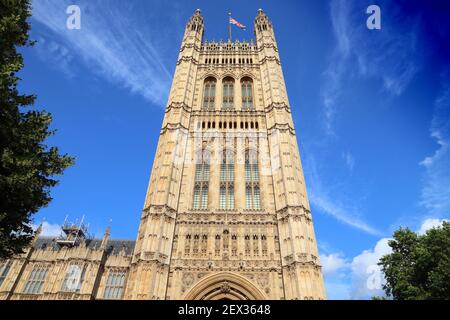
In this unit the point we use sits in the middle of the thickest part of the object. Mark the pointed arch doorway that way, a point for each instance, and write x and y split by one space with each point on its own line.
225 286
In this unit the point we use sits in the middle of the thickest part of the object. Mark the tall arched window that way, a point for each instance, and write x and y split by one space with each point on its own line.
226 238
252 190
74 278
217 245
4 270
36 280
247 93
204 244
115 284
247 245
228 93
201 183
226 194
187 244
209 93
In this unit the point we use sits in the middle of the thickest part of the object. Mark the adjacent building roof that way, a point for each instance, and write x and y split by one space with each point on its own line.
114 246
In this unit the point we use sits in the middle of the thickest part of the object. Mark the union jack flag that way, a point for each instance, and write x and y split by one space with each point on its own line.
239 25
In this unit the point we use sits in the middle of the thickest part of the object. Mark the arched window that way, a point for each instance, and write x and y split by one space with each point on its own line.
36 280
70 284
247 93
204 244
264 245
255 245
252 190
187 244
209 93
247 245
228 93
225 242
217 245
234 245
115 284
201 183
226 194
4 270
195 246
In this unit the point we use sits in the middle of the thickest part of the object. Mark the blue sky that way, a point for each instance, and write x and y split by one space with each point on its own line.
371 109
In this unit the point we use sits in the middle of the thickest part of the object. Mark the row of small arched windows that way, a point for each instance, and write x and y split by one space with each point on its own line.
262 27
233 237
230 60
228 125
195 27
236 46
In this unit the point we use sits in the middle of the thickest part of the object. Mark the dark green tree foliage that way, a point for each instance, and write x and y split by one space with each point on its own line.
419 266
27 165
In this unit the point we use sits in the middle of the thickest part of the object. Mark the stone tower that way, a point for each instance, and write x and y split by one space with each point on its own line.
226 215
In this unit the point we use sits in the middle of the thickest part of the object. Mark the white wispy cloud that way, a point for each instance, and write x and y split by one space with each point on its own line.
339 212
366 276
360 277
48 229
356 278
349 160
435 195
56 55
332 263
331 87
331 203
112 43
359 53
430 223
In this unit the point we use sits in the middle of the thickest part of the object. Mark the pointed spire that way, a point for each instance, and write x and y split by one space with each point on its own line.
197 16
37 233
263 28
106 236
194 27
39 230
262 16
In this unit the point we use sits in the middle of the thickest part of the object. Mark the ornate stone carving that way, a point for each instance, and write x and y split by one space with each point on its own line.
188 279
225 287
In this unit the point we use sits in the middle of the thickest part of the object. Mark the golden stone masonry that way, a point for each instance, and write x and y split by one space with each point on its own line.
226 214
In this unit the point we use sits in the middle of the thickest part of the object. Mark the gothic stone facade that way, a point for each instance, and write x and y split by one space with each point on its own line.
90 269
226 214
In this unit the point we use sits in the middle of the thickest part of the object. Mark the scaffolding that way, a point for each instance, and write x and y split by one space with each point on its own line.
73 233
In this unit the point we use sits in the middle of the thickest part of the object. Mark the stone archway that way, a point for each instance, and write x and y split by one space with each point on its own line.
225 286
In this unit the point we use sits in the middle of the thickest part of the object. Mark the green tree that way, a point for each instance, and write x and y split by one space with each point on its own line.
379 298
27 165
419 266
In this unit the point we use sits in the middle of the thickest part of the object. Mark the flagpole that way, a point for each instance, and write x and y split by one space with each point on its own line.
229 26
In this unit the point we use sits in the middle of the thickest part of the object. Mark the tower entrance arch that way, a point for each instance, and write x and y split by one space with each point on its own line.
225 286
